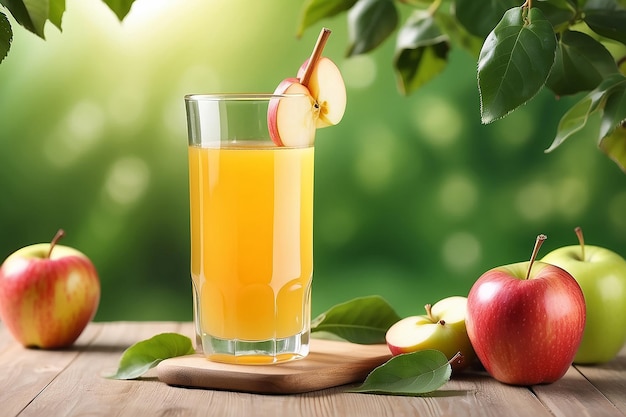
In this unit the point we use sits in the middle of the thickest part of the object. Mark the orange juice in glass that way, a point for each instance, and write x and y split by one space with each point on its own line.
251 218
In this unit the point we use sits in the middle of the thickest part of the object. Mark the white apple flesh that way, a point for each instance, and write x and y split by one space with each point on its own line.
327 86
291 120
442 329
47 297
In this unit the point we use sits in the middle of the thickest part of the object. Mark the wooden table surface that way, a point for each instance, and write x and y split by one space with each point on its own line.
70 383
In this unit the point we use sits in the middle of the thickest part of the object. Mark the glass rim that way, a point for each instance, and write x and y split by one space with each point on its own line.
239 96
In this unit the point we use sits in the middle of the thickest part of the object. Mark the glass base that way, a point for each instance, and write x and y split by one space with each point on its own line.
260 352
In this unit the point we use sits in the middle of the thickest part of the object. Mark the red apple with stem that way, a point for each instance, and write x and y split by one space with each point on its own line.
526 321
48 294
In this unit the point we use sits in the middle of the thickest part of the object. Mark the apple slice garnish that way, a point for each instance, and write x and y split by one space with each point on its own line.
327 87
292 123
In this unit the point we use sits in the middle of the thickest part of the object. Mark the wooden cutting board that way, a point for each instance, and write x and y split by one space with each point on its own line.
329 364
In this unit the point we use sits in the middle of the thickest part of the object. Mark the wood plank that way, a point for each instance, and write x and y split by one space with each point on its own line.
476 395
26 372
96 395
573 395
73 385
610 379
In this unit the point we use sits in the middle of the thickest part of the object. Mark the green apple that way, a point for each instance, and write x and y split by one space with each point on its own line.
601 273
442 328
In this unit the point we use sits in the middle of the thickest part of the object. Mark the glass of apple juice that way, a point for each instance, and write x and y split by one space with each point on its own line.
251 221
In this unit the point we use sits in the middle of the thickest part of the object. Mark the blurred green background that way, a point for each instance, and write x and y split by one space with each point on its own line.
414 197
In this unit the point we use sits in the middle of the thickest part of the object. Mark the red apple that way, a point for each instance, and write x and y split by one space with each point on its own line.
526 321
48 294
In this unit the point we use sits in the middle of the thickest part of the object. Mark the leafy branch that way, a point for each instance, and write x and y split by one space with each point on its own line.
34 14
567 46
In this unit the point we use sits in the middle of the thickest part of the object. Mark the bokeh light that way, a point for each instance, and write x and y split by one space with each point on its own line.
414 197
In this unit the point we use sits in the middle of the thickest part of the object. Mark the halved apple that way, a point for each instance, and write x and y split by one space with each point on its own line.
442 329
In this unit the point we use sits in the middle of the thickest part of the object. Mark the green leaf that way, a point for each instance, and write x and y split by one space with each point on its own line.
607 23
573 121
581 64
57 8
19 13
614 146
480 17
560 13
416 373
119 7
363 320
515 62
144 355
578 119
315 10
6 36
370 22
421 51
33 14
457 34
614 109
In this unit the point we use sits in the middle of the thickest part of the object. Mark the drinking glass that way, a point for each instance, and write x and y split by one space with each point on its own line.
251 221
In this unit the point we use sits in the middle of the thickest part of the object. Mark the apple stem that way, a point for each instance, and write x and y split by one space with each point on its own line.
429 313
315 56
538 244
581 240
456 358
60 233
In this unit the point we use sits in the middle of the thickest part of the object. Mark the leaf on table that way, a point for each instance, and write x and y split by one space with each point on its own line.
614 146
515 62
119 7
6 36
421 51
144 355
581 64
363 320
370 22
415 373
315 10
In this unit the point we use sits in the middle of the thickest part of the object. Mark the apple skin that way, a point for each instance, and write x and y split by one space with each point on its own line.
602 277
443 330
47 302
526 331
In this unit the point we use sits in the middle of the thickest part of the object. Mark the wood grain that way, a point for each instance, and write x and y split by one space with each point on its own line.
70 383
329 364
